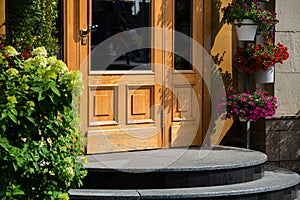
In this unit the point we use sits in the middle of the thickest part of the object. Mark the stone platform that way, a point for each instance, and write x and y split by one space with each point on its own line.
186 173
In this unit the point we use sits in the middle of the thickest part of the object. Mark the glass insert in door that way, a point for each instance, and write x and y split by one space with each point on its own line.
114 17
183 24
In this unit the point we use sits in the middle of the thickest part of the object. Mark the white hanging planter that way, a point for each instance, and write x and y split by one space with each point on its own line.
242 119
246 30
265 76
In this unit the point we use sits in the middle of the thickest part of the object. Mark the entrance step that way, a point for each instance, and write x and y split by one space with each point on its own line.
194 173
276 184
174 168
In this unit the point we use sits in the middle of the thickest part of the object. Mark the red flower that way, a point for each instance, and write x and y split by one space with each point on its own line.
261 56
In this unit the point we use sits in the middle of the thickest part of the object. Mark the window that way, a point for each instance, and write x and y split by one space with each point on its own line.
113 17
183 16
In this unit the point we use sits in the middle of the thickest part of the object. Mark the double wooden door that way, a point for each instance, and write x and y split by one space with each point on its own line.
136 98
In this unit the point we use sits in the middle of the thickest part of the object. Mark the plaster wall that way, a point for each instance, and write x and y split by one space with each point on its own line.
2 16
223 46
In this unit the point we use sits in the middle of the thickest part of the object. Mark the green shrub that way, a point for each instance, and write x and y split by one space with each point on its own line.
32 23
40 139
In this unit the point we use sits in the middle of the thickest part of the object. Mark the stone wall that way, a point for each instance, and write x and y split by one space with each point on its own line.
287 75
279 138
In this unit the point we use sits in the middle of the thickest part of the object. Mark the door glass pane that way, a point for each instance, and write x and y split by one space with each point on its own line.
183 24
114 17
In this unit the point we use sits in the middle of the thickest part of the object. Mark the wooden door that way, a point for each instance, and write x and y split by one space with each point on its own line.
128 104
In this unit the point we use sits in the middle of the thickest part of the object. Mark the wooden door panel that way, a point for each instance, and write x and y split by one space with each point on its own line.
122 112
185 135
140 104
183 103
125 139
103 105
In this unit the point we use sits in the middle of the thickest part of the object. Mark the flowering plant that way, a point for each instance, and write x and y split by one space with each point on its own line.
250 105
39 136
254 58
250 9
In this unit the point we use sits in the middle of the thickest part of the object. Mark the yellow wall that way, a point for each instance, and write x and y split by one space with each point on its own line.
2 16
223 45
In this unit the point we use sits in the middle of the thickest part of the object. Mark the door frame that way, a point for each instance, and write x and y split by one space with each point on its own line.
77 14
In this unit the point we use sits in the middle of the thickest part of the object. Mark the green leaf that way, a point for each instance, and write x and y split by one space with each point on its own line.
41 96
13 117
53 99
36 166
16 190
15 165
3 115
3 127
35 89
14 111
31 119
55 90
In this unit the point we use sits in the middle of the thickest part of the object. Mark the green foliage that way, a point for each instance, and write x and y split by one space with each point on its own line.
39 136
32 23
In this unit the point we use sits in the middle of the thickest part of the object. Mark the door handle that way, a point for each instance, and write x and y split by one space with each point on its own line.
84 32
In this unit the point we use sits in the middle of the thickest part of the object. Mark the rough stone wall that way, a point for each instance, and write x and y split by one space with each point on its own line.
287 75
279 138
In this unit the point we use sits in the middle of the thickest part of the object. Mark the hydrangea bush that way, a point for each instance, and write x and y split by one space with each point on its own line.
39 136
249 105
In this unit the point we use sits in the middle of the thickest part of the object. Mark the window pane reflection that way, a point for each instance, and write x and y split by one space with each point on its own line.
183 13
113 17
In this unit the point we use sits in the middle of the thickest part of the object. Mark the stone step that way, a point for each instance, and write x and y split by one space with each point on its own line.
174 168
277 184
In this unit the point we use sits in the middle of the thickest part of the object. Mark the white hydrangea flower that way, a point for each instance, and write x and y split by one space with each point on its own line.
12 72
59 66
39 61
52 60
70 171
39 51
10 51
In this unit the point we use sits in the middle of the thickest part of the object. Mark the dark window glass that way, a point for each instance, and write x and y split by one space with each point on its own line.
183 24
113 17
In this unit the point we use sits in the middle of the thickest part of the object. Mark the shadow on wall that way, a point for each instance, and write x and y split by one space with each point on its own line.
217 23
218 58
226 76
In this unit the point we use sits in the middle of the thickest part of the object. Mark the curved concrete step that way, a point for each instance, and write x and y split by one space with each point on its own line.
174 168
276 184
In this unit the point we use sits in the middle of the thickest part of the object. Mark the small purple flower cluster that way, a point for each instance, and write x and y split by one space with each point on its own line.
250 105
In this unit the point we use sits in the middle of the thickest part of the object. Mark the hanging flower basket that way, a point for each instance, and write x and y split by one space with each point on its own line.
246 29
260 57
249 105
264 76
265 19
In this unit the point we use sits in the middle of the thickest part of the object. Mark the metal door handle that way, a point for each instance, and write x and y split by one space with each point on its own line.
84 32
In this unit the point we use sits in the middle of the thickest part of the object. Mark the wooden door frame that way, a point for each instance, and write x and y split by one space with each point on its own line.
75 54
